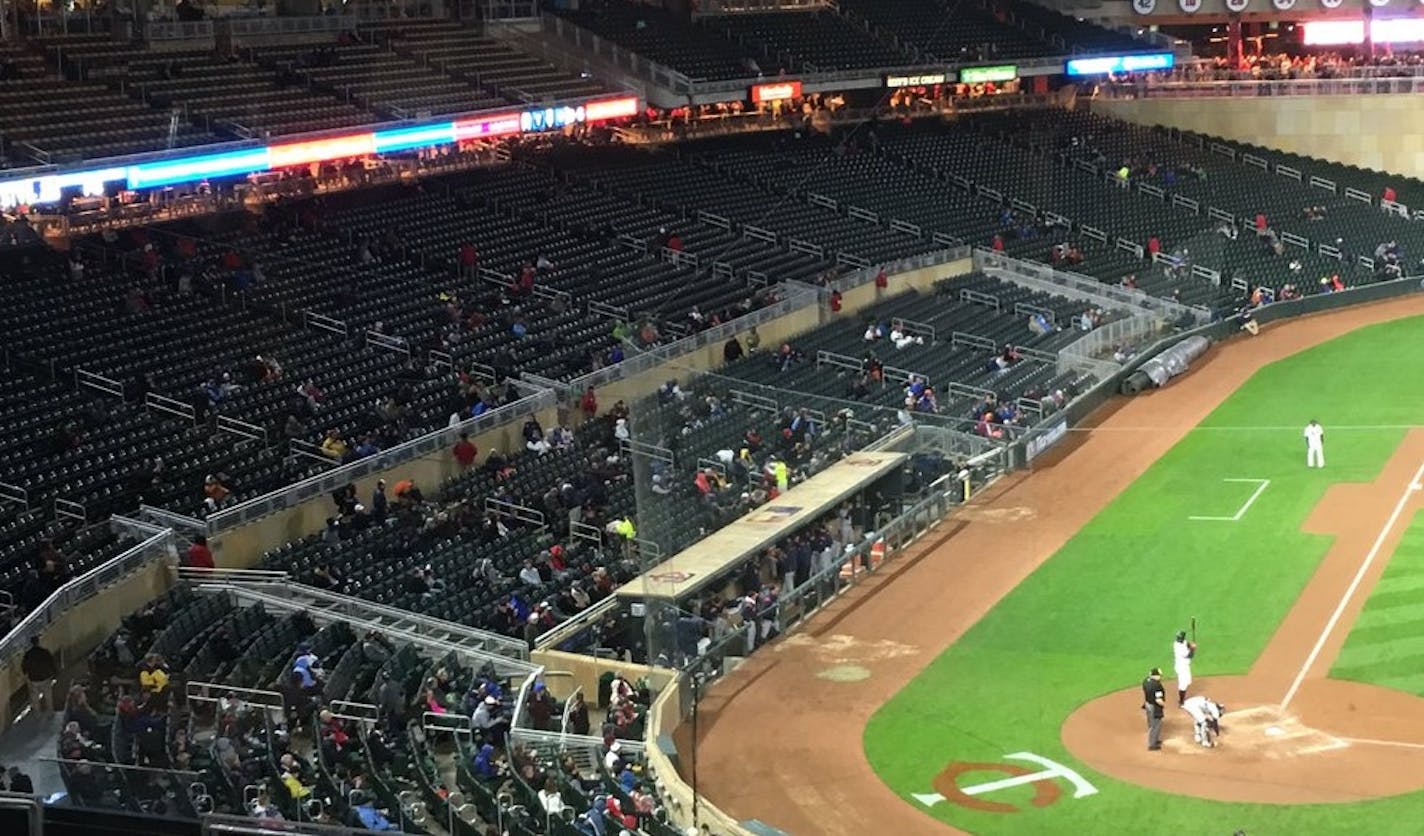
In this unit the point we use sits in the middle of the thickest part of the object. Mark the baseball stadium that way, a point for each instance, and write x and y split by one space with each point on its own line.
711 418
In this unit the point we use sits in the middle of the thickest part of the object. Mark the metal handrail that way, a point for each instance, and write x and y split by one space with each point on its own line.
339 477
157 545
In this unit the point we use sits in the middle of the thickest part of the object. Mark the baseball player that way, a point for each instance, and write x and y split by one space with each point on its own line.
1206 717
1182 653
1314 444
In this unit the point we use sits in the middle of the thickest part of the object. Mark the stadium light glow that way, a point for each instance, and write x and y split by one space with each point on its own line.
776 92
487 127
611 109
47 188
188 169
984 75
403 139
1121 64
925 80
1393 30
320 150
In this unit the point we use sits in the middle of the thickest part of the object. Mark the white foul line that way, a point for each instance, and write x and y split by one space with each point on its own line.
1261 485
1374 742
1413 486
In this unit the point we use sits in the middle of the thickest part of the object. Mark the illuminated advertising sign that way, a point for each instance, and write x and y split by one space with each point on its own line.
404 139
191 169
1121 64
776 92
550 118
319 150
487 127
926 80
984 75
611 109
1392 30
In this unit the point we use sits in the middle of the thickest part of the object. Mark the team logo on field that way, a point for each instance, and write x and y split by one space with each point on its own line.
1047 783
670 577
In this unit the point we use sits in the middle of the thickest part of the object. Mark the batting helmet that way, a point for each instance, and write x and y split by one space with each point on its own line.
1181 635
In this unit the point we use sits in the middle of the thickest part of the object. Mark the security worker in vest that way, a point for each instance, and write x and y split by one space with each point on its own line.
1154 704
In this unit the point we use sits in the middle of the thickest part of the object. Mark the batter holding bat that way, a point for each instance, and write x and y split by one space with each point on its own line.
1182 653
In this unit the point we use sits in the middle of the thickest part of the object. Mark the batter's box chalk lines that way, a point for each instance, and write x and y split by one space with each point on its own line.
1355 582
1261 485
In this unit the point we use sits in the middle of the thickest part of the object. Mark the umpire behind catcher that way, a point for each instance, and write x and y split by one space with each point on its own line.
1154 704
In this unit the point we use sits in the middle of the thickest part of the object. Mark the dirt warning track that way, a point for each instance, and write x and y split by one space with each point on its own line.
781 745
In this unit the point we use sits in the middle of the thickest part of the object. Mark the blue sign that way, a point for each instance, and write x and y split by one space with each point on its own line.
550 118
1121 64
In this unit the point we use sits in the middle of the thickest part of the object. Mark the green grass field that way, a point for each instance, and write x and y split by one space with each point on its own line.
1386 644
1102 610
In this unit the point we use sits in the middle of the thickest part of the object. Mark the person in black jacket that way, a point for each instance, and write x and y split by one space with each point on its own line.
20 782
1154 703
40 669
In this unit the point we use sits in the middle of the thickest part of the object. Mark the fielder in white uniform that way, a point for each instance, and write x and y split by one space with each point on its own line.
1314 444
1206 717
1182 652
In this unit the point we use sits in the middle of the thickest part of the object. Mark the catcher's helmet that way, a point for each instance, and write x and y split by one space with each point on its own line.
1181 635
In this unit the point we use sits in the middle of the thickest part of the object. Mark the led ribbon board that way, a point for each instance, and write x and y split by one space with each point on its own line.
928 79
191 169
1121 64
984 75
776 92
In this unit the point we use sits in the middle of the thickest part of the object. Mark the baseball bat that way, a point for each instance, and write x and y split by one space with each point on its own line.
1194 629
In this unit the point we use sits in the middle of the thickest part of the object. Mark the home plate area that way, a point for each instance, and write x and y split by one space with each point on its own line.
1263 729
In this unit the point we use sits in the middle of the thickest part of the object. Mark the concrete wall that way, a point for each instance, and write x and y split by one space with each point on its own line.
242 547
1382 132
777 331
75 634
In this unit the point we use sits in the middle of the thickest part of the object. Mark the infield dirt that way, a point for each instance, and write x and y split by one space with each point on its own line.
782 743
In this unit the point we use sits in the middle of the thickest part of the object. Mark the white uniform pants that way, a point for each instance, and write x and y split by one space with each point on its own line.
1200 732
1184 677
1315 455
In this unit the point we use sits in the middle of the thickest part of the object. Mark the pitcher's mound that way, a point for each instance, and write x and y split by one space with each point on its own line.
1338 741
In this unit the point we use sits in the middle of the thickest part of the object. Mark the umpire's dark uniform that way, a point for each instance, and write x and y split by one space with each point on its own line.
1154 702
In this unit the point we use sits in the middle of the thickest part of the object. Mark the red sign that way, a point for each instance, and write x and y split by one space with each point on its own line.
776 92
610 109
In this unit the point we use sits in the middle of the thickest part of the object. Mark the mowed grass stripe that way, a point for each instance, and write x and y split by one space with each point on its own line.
1386 644
1402 621
1102 610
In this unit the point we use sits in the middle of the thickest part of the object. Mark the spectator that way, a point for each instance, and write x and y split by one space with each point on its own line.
469 260
40 671
20 782
465 451
153 677
308 667
216 492
550 800
199 555
333 445
534 437
379 503
371 818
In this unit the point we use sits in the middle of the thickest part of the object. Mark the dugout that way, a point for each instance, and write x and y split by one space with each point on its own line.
651 613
